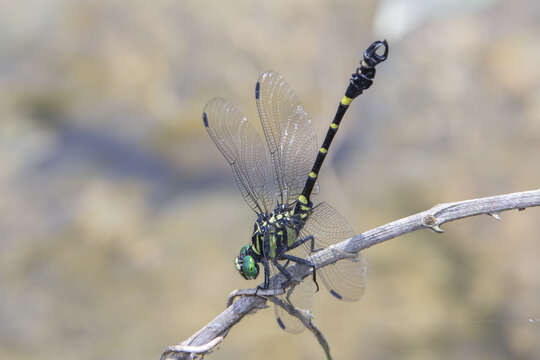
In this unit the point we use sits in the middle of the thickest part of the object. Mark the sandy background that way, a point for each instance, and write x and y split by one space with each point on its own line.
119 220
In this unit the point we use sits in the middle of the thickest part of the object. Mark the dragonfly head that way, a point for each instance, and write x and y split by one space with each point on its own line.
246 264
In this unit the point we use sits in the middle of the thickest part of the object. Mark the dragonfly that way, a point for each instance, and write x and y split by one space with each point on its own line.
277 178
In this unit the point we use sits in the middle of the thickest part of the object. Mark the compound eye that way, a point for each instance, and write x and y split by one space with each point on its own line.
250 268
238 264
244 250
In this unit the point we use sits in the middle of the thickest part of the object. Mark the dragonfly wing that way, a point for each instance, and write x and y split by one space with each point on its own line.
243 149
346 278
301 297
289 134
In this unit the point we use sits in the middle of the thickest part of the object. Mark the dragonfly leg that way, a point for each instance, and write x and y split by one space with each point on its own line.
304 240
282 269
303 262
266 273
266 245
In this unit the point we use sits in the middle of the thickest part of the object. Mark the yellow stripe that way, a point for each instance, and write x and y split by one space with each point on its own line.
346 100
313 175
323 150
334 126
302 199
305 208
257 247
273 246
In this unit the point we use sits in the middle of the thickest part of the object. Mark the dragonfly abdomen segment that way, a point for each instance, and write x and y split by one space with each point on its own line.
361 80
321 155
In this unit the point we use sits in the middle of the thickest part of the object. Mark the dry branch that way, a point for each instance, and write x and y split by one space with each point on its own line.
212 334
307 320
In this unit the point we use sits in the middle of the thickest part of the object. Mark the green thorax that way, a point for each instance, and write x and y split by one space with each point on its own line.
279 228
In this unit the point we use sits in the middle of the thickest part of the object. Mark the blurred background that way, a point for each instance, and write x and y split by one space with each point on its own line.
119 219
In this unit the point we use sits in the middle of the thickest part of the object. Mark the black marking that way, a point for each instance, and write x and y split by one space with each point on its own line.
360 80
205 119
280 323
336 294
257 90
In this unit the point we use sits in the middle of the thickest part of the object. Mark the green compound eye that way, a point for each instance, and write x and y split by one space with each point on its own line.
238 263
250 269
244 251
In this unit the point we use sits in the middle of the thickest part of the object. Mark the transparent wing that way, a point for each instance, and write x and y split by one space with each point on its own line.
289 134
346 278
243 149
301 297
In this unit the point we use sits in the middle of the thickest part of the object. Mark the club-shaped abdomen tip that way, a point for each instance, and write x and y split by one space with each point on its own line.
384 45
386 48
205 119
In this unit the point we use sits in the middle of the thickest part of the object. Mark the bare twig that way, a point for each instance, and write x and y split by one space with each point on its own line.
307 320
429 219
253 292
193 350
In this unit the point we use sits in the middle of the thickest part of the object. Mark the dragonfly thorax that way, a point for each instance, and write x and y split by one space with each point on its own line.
273 234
